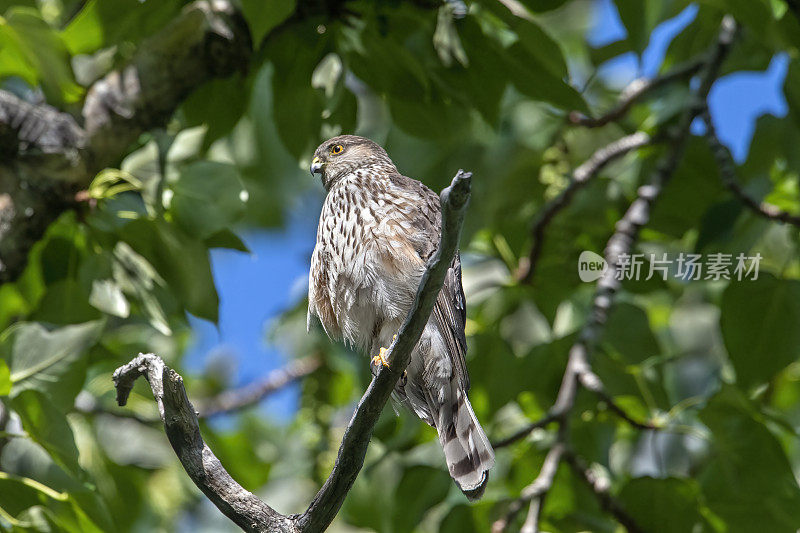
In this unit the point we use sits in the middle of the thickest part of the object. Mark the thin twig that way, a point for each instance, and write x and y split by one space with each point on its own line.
522 433
581 176
637 89
236 399
727 171
600 487
593 383
225 402
535 492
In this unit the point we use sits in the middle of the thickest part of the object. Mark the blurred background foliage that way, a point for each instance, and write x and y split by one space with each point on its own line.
442 85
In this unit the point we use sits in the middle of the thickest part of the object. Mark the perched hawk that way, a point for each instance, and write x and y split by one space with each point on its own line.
376 232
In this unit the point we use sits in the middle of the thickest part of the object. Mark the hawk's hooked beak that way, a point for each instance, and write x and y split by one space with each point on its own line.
316 166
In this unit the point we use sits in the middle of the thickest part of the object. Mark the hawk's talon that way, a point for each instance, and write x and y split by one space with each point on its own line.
380 359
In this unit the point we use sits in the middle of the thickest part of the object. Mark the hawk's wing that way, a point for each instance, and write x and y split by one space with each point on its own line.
450 310
451 315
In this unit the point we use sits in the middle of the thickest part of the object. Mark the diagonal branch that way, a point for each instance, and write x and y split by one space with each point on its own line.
246 510
183 431
236 399
592 382
637 89
600 487
581 176
525 431
727 171
533 493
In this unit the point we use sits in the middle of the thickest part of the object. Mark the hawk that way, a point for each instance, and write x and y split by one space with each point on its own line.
376 232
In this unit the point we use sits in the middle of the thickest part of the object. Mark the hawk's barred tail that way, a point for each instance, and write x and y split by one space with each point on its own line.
467 450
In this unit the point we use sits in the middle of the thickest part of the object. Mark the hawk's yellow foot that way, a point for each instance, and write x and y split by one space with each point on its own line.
380 359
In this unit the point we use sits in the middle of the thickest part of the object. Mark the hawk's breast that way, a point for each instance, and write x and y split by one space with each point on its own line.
366 266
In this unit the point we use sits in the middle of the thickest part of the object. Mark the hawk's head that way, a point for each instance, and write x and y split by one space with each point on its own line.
339 156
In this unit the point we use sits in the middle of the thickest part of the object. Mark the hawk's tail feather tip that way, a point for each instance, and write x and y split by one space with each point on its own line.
467 450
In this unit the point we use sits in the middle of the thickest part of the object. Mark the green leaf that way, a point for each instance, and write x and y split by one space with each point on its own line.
32 50
639 18
226 239
665 505
5 378
181 261
533 78
539 6
760 321
748 483
218 104
676 211
297 106
51 362
458 520
107 297
101 24
264 15
48 426
420 488
208 197
20 493
791 89
65 302
628 333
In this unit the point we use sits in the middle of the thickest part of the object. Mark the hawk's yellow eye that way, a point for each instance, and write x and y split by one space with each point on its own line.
336 150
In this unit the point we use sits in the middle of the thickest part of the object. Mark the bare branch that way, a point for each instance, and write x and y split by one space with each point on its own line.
236 399
524 432
27 129
330 497
250 513
636 90
533 493
581 176
727 171
225 402
578 370
183 431
600 487
593 383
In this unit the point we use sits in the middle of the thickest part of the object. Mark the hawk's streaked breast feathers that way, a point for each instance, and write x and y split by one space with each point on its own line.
376 232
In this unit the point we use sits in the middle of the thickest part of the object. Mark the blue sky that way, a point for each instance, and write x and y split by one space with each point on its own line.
254 288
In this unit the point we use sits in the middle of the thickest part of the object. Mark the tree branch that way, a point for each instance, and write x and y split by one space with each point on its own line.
225 402
533 493
581 176
636 90
522 433
578 370
183 431
247 511
236 399
600 487
727 171
592 382
46 157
